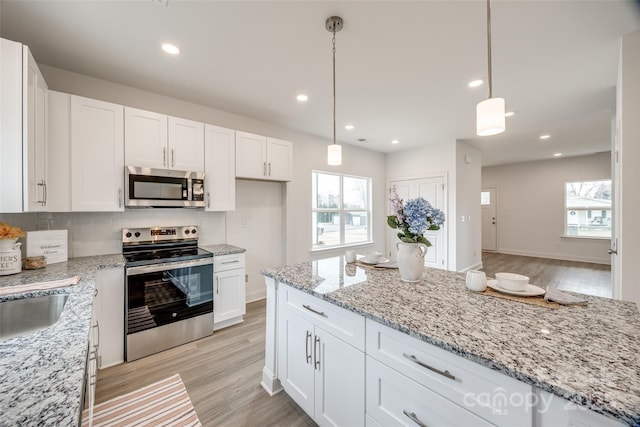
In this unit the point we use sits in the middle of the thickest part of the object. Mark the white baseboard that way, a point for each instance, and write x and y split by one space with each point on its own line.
594 260
476 266
254 297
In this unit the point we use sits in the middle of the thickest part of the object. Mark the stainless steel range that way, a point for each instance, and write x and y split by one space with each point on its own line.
169 289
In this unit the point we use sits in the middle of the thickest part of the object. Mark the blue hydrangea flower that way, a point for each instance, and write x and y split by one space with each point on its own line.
416 212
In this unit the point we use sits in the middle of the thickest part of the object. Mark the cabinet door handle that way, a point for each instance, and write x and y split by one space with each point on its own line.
208 200
264 168
46 192
316 354
164 156
173 157
217 285
307 345
321 313
97 345
424 365
413 417
119 197
269 168
43 185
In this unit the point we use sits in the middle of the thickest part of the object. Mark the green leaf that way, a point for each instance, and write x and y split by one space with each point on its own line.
392 221
422 239
407 239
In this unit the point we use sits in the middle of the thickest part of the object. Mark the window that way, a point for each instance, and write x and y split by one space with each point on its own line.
588 208
341 210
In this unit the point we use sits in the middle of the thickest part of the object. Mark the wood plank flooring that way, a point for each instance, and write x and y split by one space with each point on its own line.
222 375
582 277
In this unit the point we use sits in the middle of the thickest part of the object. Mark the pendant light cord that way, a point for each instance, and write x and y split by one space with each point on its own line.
334 85
489 46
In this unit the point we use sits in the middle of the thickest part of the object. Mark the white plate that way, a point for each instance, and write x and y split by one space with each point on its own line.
364 260
531 291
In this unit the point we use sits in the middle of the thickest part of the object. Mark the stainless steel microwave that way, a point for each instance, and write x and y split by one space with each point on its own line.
160 188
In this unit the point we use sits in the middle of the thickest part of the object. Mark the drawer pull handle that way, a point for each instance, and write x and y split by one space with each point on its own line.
413 417
230 262
316 346
307 345
424 365
321 313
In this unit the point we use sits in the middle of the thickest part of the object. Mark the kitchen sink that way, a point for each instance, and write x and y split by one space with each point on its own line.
22 316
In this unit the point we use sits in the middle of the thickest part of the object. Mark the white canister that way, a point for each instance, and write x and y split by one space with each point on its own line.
11 260
476 280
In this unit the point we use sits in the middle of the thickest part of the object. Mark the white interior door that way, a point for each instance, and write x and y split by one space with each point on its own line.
431 189
489 219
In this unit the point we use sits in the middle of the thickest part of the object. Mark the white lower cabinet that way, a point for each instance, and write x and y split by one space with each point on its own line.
554 411
395 400
321 373
109 308
229 301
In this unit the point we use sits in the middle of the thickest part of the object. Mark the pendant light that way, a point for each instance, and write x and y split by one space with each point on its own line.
334 151
490 119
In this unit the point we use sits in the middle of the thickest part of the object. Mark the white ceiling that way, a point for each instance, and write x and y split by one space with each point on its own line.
402 67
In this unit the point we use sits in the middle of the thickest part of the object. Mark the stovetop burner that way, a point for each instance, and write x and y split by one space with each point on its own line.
144 246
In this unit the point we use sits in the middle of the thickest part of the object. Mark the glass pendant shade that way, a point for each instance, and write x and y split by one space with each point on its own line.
490 119
334 155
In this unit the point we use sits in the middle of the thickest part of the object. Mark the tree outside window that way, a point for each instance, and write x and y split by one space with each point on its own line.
588 208
341 210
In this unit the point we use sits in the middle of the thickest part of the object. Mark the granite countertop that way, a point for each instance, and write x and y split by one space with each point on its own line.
223 249
41 373
588 355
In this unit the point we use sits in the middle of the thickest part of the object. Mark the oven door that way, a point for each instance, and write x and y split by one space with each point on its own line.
161 294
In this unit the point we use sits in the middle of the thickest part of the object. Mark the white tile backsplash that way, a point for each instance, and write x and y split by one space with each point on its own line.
99 233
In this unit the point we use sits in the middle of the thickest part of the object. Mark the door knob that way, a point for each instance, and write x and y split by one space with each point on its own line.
612 252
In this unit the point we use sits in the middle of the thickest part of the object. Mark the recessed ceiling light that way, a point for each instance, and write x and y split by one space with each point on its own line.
170 48
545 136
557 155
348 127
509 113
475 83
302 97
395 141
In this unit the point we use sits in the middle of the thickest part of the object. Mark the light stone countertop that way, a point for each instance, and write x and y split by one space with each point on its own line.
41 373
588 355
223 249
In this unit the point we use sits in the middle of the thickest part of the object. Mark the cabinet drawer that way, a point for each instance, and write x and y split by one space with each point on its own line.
228 262
395 400
341 323
496 397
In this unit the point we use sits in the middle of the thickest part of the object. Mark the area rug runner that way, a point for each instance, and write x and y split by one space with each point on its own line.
165 403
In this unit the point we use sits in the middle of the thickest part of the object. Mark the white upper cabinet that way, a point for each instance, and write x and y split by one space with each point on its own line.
158 141
23 139
220 168
279 159
34 134
97 155
186 145
59 152
261 157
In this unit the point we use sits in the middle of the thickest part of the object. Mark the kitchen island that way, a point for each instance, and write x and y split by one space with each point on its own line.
42 373
586 355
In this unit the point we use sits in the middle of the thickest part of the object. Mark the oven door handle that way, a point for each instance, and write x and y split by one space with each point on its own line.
142 269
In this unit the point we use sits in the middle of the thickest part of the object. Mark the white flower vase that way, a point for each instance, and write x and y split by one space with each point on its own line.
411 260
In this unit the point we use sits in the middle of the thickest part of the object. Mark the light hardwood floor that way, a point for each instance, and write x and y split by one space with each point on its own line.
221 373
583 277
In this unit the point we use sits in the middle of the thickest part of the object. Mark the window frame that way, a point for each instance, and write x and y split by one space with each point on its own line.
586 209
341 211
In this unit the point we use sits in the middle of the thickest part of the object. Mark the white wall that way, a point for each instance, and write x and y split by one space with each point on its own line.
431 160
284 235
626 265
468 219
530 203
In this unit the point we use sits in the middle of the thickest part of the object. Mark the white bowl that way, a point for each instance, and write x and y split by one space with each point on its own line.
512 281
373 257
